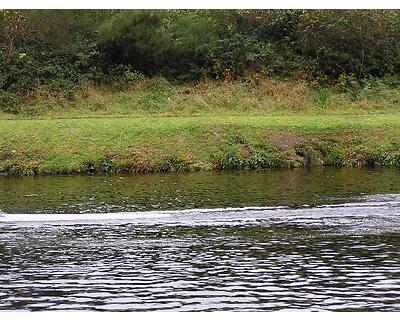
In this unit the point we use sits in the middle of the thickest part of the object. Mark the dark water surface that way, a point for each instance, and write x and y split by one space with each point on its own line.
320 239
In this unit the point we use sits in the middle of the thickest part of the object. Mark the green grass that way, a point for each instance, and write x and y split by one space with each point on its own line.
153 125
160 143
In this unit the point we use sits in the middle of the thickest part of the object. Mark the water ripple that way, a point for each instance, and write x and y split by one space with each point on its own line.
134 267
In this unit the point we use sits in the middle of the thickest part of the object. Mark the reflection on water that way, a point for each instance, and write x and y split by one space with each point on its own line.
193 190
323 257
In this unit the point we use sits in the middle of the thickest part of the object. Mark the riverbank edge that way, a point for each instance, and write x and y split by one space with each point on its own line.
121 146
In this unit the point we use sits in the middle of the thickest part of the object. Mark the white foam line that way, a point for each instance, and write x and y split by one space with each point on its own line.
4 217
79 217
362 204
155 215
205 210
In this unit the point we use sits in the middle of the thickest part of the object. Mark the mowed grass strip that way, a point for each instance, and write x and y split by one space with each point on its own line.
142 144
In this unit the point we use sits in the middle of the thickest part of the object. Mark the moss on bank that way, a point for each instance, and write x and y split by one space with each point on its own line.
157 144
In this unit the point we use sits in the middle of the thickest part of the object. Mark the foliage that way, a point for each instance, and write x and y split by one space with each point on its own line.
350 42
321 96
348 50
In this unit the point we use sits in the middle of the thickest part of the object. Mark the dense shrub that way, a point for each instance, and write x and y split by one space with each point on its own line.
60 49
50 48
325 44
358 42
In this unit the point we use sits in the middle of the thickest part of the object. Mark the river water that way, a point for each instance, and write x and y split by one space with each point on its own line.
303 239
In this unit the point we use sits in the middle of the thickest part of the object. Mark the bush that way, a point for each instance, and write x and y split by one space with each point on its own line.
321 96
60 49
358 42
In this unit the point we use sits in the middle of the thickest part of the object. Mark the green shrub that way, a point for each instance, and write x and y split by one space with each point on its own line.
321 96
61 49
357 42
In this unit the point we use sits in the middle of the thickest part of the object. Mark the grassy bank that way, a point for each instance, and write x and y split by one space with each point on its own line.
151 143
252 96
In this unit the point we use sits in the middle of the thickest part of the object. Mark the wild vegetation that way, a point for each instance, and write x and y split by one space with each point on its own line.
85 91
57 52
248 96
